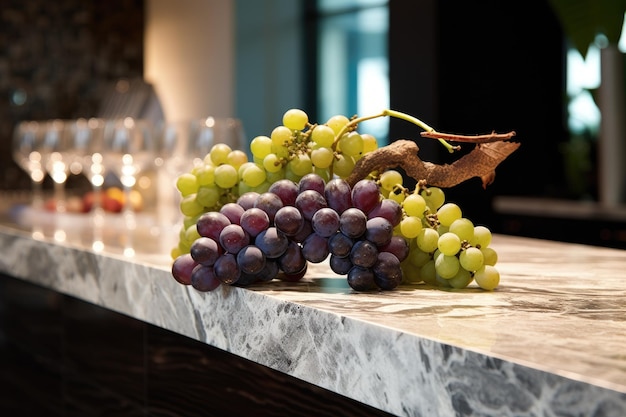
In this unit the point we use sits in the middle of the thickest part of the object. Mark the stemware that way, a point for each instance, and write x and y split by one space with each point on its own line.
26 153
57 155
206 132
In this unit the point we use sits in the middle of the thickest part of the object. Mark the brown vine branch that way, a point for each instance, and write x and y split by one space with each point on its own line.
492 137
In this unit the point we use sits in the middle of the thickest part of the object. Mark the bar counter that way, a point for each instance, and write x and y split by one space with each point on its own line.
549 341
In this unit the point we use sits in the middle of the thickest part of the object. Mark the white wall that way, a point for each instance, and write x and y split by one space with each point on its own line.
189 56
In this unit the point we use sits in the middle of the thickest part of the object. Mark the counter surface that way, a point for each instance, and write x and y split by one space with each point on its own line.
548 341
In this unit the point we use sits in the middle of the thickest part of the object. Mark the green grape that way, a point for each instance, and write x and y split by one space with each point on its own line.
410 227
482 237
322 172
219 153
226 176
280 151
301 165
449 244
463 228
351 144
428 240
263 188
490 256
410 274
418 257
323 135
261 146
254 176
295 119
487 277
396 195
337 123
290 175
343 165
389 179
191 234
322 157
471 259
187 184
205 174
446 266
434 196
461 280
369 143
272 163
448 213
428 273
272 177
208 195
414 205
281 136
190 207
243 167
236 158
443 229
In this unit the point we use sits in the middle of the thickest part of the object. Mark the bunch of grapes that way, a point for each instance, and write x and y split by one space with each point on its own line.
254 221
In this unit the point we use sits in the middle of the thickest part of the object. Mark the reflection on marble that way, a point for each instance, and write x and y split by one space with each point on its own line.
548 342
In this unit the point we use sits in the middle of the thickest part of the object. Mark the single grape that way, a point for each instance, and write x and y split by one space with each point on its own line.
471 259
182 268
397 246
236 158
461 280
205 251
289 220
205 174
447 266
254 221
369 143
387 271
448 213
338 195
250 259
208 195
303 233
490 256
189 206
247 200
378 231
312 182
203 278
315 248
301 164
482 237
340 265
343 165
449 244
295 119
292 261
337 123
287 190
418 257
353 222
226 176
463 228
233 238
233 211
323 135
389 179
219 153
187 184
487 277
388 209
308 202
271 242
428 273
325 222
411 227
261 146
272 164
414 205
270 203
322 157
340 245
226 269
253 175
361 279
269 271
365 195
280 136
434 197
351 144
211 224
364 253
295 276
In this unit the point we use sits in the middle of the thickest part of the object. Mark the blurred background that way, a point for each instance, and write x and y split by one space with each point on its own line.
462 67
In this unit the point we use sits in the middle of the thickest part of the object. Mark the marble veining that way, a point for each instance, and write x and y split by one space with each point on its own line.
548 342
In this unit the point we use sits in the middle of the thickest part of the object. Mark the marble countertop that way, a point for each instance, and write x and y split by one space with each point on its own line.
549 341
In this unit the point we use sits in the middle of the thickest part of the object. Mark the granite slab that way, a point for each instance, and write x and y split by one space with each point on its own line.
549 341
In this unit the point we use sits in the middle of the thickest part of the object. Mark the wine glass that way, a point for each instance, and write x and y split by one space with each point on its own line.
206 132
26 153
128 150
56 150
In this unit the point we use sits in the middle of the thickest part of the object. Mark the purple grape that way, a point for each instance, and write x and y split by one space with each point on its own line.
388 209
226 269
269 271
182 268
325 222
254 221
387 271
246 200
272 242
313 182
352 222
338 195
233 238
365 195
308 202
315 248
233 211
303 233
292 261
203 278
211 224
340 245
379 231
246 279
289 220
205 250
339 265
287 190
397 246
251 260
361 279
270 203
296 276
364 253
